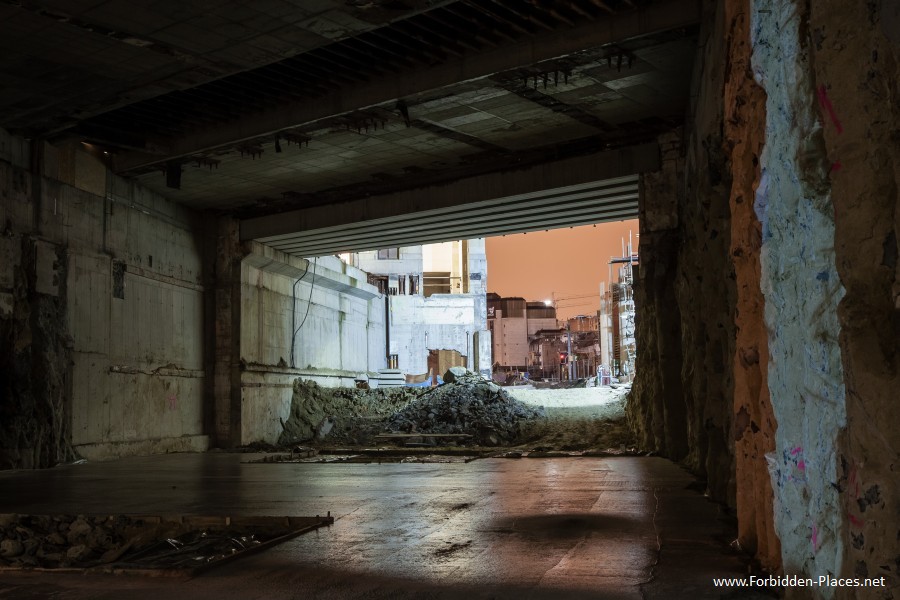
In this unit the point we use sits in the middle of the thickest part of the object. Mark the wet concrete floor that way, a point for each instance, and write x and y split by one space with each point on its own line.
625 527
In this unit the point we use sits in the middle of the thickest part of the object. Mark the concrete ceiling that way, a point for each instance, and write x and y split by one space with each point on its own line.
271 106
66 60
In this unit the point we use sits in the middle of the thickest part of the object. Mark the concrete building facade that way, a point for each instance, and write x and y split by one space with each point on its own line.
437 303
515 323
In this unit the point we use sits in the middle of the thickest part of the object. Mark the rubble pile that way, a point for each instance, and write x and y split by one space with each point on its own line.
466 404
61 541
103 542
339 414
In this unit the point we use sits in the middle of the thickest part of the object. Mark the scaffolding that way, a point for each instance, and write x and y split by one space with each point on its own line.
617 313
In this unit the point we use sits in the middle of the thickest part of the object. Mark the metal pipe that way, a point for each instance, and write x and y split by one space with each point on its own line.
387 330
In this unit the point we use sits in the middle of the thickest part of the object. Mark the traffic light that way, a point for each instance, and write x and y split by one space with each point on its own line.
563 356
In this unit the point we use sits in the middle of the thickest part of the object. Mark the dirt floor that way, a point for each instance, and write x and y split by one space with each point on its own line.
577 419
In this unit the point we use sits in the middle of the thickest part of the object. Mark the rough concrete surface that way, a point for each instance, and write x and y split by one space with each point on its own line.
685 295
754 421
656 409
855 70
802 290
100 310
799 168
35 425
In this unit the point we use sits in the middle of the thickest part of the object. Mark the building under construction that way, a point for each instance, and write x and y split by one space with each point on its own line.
617 322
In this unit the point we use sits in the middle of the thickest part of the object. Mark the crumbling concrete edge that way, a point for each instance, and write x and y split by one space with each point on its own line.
113 450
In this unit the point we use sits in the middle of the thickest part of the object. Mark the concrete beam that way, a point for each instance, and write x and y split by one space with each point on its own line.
270 260
663 15
562 193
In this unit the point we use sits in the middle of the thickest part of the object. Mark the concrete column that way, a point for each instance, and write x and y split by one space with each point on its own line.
223 335
657 410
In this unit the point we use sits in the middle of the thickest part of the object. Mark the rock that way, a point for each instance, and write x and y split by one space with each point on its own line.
11 548
56 539
468 405
79 528
26 561
8 519
324 428
78 553
51 557
454 373
100 539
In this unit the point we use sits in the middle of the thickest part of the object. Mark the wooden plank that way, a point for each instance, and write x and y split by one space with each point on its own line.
418 435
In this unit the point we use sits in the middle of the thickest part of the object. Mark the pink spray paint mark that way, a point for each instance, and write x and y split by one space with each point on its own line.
801 465
855 521
853 484
796 451
173 402
815 537
826 104
836 166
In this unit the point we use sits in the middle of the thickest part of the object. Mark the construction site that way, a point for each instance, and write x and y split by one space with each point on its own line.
251 347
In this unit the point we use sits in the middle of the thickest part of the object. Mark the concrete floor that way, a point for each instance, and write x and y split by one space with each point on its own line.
493 528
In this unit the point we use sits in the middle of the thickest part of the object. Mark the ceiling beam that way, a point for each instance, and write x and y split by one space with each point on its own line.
659 16
505 218
600 175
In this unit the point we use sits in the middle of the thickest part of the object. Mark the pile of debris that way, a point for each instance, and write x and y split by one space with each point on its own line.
466 404
348 415
124 543
60 541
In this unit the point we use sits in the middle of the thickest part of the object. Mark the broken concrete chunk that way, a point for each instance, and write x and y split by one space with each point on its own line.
78 553
8 519
56 539
78 529
454 373
11 548
324 428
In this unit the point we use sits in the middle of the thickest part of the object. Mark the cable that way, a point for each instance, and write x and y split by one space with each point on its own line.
294 311
312 285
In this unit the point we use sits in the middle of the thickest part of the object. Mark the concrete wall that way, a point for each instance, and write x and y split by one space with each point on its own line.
138 359
101 308
477 269
439 322
339 335
510 340
442 321
802 290
787 185
855 70
544 323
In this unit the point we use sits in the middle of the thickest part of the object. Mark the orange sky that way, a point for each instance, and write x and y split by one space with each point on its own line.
569 262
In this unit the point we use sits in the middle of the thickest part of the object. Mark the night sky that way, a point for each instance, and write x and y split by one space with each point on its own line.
569 262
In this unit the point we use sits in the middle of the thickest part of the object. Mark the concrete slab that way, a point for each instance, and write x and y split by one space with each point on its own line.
493 528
